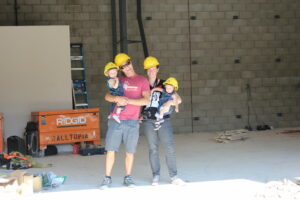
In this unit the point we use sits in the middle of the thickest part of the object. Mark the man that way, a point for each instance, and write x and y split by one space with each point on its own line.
136 94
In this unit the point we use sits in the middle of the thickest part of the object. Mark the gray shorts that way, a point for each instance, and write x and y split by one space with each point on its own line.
127 131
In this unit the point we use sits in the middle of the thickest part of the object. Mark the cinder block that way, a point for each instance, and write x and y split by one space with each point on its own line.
181 8
26 9
56 8
234 90
81 16
73 8
225 7
210 7
32 16
65 16
41 8
32 2
50 17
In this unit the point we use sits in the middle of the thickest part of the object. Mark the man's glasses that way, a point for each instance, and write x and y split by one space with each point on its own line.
125 65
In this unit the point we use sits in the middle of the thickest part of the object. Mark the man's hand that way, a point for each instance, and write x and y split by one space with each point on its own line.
121 101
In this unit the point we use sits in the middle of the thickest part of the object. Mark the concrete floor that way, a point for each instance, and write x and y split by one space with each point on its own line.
235 170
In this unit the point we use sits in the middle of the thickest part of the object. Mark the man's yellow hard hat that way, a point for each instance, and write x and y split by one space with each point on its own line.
121 58
109 66
172 81
150 62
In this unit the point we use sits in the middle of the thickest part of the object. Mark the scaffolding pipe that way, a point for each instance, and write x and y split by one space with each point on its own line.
16 7
141 27
123 26
114 28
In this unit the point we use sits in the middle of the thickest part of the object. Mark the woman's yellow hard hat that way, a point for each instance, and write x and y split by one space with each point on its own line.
150 62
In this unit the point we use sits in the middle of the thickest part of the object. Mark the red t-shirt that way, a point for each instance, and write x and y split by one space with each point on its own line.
133 88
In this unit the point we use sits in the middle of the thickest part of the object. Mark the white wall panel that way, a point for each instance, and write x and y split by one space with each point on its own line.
34 73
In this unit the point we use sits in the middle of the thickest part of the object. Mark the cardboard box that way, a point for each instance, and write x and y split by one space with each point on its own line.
20 183
37 183
18 174
27 184
9 186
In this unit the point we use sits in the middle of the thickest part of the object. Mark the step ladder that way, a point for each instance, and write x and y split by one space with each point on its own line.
78 71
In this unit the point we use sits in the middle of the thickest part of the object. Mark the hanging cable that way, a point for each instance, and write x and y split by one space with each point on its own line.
190 60
248 89
16 7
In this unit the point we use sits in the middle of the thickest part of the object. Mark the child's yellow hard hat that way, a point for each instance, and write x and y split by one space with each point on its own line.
172 81
109 66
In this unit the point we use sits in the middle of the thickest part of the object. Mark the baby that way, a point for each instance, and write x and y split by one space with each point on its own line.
167 102
115 88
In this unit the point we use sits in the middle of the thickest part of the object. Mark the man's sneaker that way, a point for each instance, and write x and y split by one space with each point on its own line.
155 180
106 183
116 117
128 181
177 181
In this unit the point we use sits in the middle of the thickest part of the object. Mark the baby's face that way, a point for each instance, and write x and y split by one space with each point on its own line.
112 73
169 88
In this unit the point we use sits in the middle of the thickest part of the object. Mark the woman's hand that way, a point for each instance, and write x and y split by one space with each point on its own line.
156 89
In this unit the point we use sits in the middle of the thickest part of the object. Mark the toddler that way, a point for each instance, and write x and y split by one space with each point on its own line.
167 102
115 88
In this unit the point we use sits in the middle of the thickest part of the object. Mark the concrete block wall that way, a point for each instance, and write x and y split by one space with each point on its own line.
245 52
232 58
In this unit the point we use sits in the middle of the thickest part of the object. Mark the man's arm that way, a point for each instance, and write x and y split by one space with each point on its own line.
121 101
142 101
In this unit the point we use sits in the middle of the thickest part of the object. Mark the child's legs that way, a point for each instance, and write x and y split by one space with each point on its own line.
119 109
164 109
112 108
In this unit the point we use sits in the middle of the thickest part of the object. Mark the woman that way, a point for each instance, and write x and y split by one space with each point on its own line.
164 133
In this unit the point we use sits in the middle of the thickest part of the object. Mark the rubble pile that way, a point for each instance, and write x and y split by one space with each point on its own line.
231 135
275 190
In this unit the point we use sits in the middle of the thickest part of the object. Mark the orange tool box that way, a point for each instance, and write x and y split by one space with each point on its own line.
67 126
1 134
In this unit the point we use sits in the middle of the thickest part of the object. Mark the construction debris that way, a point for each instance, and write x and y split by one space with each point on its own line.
297 180
290 132
285 190
231 135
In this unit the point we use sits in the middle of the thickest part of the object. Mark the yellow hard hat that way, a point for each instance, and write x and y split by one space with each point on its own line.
172 81
109 66
121 58
149 62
